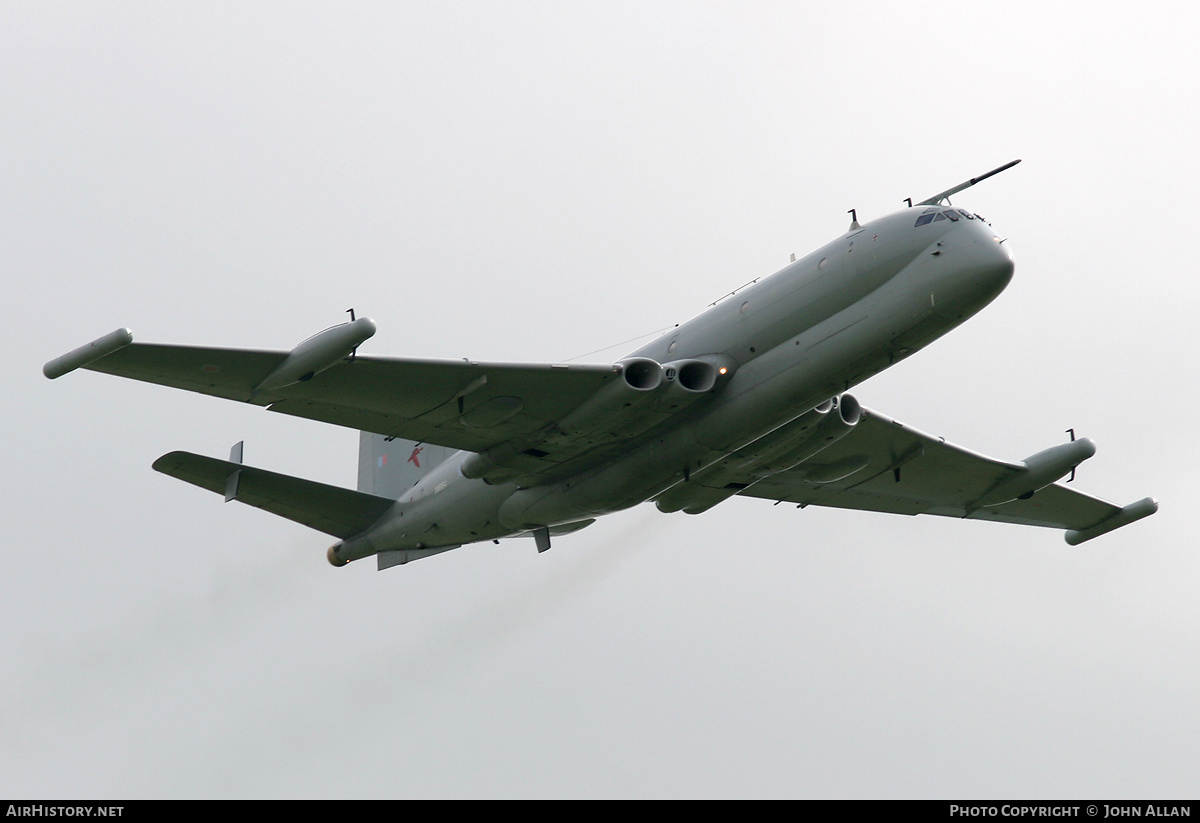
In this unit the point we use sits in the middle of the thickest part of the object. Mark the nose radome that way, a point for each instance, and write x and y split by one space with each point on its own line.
997 267
978 267
990 270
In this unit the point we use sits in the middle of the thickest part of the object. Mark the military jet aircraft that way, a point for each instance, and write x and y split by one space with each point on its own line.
749 398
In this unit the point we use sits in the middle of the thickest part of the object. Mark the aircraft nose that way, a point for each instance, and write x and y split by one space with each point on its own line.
1002 266
994 267
980 266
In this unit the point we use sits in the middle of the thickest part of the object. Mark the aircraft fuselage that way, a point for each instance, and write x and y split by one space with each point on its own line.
782 346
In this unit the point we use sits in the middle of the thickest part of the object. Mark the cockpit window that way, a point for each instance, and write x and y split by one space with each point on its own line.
934 215
926 216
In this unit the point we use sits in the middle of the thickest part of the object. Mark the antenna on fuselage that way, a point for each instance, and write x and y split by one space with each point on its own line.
938 198
853 220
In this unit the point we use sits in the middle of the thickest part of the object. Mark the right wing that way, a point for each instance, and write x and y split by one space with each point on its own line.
516 417
457 403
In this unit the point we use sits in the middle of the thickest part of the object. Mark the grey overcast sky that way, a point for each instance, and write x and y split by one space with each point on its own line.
537 181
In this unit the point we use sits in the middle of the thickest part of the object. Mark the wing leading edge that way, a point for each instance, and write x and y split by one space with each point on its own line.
894 468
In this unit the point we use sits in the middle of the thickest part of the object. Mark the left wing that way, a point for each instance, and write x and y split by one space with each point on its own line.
894 468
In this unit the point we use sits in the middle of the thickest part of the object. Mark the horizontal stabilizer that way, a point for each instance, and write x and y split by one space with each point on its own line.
330 509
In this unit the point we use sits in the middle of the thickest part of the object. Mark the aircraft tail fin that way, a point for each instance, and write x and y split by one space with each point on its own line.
389 467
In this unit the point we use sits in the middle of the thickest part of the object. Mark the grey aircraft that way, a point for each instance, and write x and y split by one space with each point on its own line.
749 398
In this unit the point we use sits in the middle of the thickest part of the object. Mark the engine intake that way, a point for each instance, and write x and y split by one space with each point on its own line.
696 376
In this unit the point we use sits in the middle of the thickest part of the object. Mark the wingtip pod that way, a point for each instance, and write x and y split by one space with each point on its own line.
1128 514
90 353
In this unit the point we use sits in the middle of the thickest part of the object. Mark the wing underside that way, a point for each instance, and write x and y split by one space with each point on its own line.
894 468
456 403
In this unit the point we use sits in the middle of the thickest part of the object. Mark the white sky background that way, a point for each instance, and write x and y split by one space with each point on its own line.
529 181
